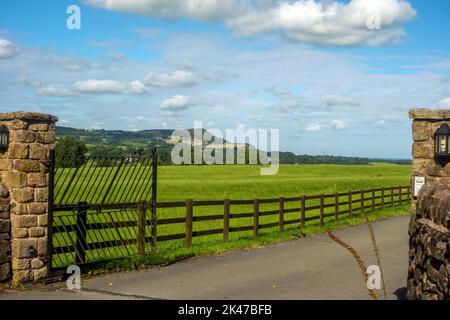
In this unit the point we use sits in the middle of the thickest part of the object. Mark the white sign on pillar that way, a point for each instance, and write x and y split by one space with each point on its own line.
419 182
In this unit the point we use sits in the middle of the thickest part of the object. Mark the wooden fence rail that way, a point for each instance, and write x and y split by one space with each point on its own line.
75 231
354 201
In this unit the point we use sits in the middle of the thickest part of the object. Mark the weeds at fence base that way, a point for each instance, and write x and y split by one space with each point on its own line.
171 252
15 287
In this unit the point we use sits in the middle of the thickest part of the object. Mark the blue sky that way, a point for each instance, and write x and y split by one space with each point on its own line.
313 69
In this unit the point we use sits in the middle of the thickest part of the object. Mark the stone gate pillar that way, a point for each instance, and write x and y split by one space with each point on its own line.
425 124
24 195
429 232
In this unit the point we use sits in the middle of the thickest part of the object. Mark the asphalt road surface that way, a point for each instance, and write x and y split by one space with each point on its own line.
309 268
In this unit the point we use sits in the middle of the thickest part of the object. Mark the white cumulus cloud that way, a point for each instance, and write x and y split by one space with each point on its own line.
176 79
313 127
93 86
333 125
99 86
176 103
322 22
54 91
358 22
7 49
206 10
338 124
136 87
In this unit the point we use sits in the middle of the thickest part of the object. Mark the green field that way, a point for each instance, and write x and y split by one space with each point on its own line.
245 183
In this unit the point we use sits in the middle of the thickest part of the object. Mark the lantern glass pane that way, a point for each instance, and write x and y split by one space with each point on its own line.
442 144
448 144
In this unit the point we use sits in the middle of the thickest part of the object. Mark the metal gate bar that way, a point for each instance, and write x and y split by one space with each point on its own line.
101 208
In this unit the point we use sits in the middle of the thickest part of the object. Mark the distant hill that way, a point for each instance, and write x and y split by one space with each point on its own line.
116 134
119 142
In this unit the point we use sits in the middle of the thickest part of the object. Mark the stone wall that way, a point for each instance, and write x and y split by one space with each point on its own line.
429 255
24 173
5 231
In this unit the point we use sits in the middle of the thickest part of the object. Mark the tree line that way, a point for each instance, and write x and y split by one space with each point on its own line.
72 151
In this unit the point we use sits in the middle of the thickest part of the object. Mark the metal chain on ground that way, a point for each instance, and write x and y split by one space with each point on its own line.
375 249
359 261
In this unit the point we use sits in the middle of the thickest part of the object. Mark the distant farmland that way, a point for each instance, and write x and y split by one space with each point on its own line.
177 183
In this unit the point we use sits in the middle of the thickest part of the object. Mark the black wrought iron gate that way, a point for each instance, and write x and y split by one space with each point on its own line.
101 208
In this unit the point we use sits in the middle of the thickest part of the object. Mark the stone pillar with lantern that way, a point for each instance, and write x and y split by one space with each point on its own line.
431 148
429 242
26 139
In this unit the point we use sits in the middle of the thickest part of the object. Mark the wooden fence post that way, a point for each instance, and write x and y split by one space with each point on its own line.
189 222
226 219
321 210
392 196
409 194
81 233
350 202
336 206
255 219
400 192
154 228
281 223
373 199
141 210
382 198
362 201
302 212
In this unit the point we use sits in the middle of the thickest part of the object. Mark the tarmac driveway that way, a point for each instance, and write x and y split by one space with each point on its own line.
309 268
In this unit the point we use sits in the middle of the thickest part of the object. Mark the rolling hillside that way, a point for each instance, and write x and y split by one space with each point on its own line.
117 142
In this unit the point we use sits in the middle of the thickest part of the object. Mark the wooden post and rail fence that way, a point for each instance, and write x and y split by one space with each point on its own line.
79 234
356 202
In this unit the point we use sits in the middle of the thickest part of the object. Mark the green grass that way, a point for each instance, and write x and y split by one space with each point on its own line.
245 182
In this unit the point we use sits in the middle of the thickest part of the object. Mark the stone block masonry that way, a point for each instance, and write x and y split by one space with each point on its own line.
24 196
5 232
429 242
425 124
429 256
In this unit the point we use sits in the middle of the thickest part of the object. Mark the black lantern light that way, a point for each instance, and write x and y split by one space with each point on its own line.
442 143
4 138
